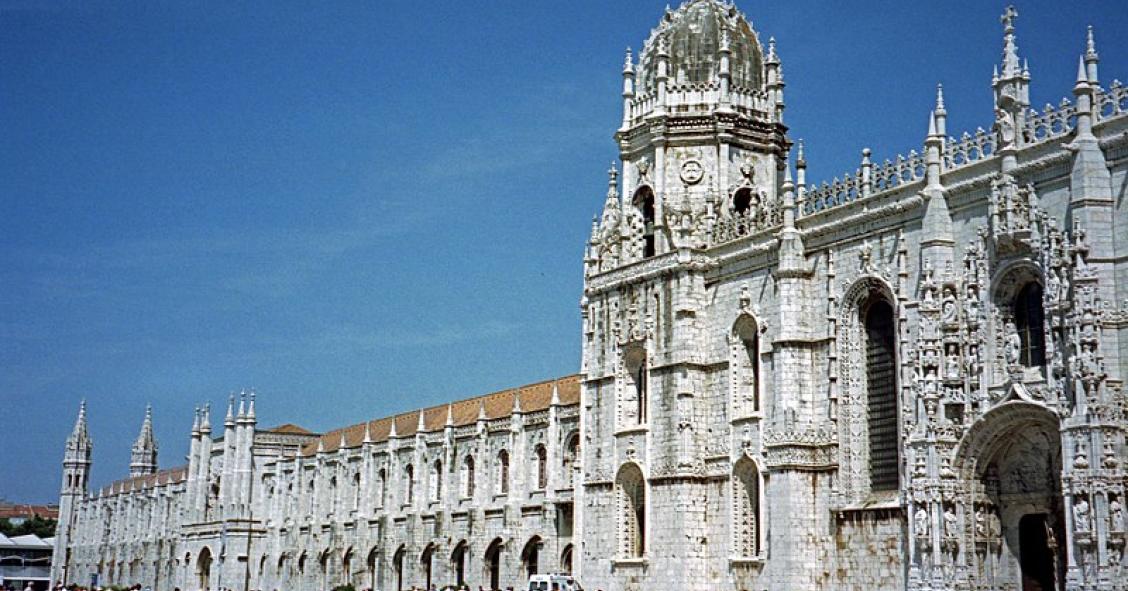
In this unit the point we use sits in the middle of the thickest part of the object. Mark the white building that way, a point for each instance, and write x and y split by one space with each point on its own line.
909 378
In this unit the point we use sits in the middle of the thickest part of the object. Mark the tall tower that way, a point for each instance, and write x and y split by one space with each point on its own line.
704 151
143 459
76 471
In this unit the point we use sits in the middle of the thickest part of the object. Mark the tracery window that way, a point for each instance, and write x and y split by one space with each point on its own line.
542 467
746 508
503 472
881 384
746 365
437 480
356 491
409 484
644 201
635 390
571 455
1029 316
468 477
630 496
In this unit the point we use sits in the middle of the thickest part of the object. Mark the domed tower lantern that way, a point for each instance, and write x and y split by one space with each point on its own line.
702 134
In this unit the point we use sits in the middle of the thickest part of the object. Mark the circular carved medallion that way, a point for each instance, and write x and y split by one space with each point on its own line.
691 172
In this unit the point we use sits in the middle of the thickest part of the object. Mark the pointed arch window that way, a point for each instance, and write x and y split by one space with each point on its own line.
383 477
409 484
468 477
1029 316
542 467
503 472
746 508
437 480
635 391
746 366
881 395
644 201
630 493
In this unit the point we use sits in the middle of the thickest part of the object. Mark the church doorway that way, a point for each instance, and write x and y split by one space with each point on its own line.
1014 452
1036 542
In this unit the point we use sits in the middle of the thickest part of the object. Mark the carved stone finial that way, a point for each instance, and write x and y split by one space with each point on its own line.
940 100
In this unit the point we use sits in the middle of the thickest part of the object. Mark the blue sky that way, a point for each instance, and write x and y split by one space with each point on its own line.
360 208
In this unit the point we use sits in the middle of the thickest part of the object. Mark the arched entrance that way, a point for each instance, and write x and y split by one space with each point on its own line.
493 564
397 565
566 559
458 563
1012 458
530 556
373 556
203 568
426 561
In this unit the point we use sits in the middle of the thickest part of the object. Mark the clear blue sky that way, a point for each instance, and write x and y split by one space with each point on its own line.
363 207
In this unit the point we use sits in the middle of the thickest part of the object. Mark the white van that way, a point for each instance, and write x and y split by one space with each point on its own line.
554 582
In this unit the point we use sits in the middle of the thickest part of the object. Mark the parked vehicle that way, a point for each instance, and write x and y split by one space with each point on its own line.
554 582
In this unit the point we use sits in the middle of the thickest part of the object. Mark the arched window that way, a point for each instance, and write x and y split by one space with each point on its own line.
881 385
746 508
503 472
571 455
644 201
742 200
1029 316
746 350
409 484
383 485
630 492
356 491
333 495
636 389
437 481
467 478
542 467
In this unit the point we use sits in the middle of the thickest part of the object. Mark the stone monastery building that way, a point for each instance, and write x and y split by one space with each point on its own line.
909 378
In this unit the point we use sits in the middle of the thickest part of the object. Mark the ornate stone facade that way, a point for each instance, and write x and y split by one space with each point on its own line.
910 377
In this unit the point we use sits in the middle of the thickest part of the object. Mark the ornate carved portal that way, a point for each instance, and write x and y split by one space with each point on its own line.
1012 535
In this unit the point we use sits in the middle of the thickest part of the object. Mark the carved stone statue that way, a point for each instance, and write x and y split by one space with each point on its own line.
951 523
1053 286
1116 515
981 530
1012 344
920 522
949 305
1004 123
1081 514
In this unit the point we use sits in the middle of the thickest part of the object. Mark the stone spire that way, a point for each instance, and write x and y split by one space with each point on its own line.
940 113
1010 46
79 438
1091 58
143 459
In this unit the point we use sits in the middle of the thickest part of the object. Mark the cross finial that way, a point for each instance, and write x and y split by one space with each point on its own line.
1008 18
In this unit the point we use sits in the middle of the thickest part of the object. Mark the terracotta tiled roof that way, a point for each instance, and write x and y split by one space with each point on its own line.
29 511
170 476
534 397
289 429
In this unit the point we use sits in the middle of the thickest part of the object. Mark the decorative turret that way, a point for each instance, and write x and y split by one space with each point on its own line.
143 459
1012 93
76 471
